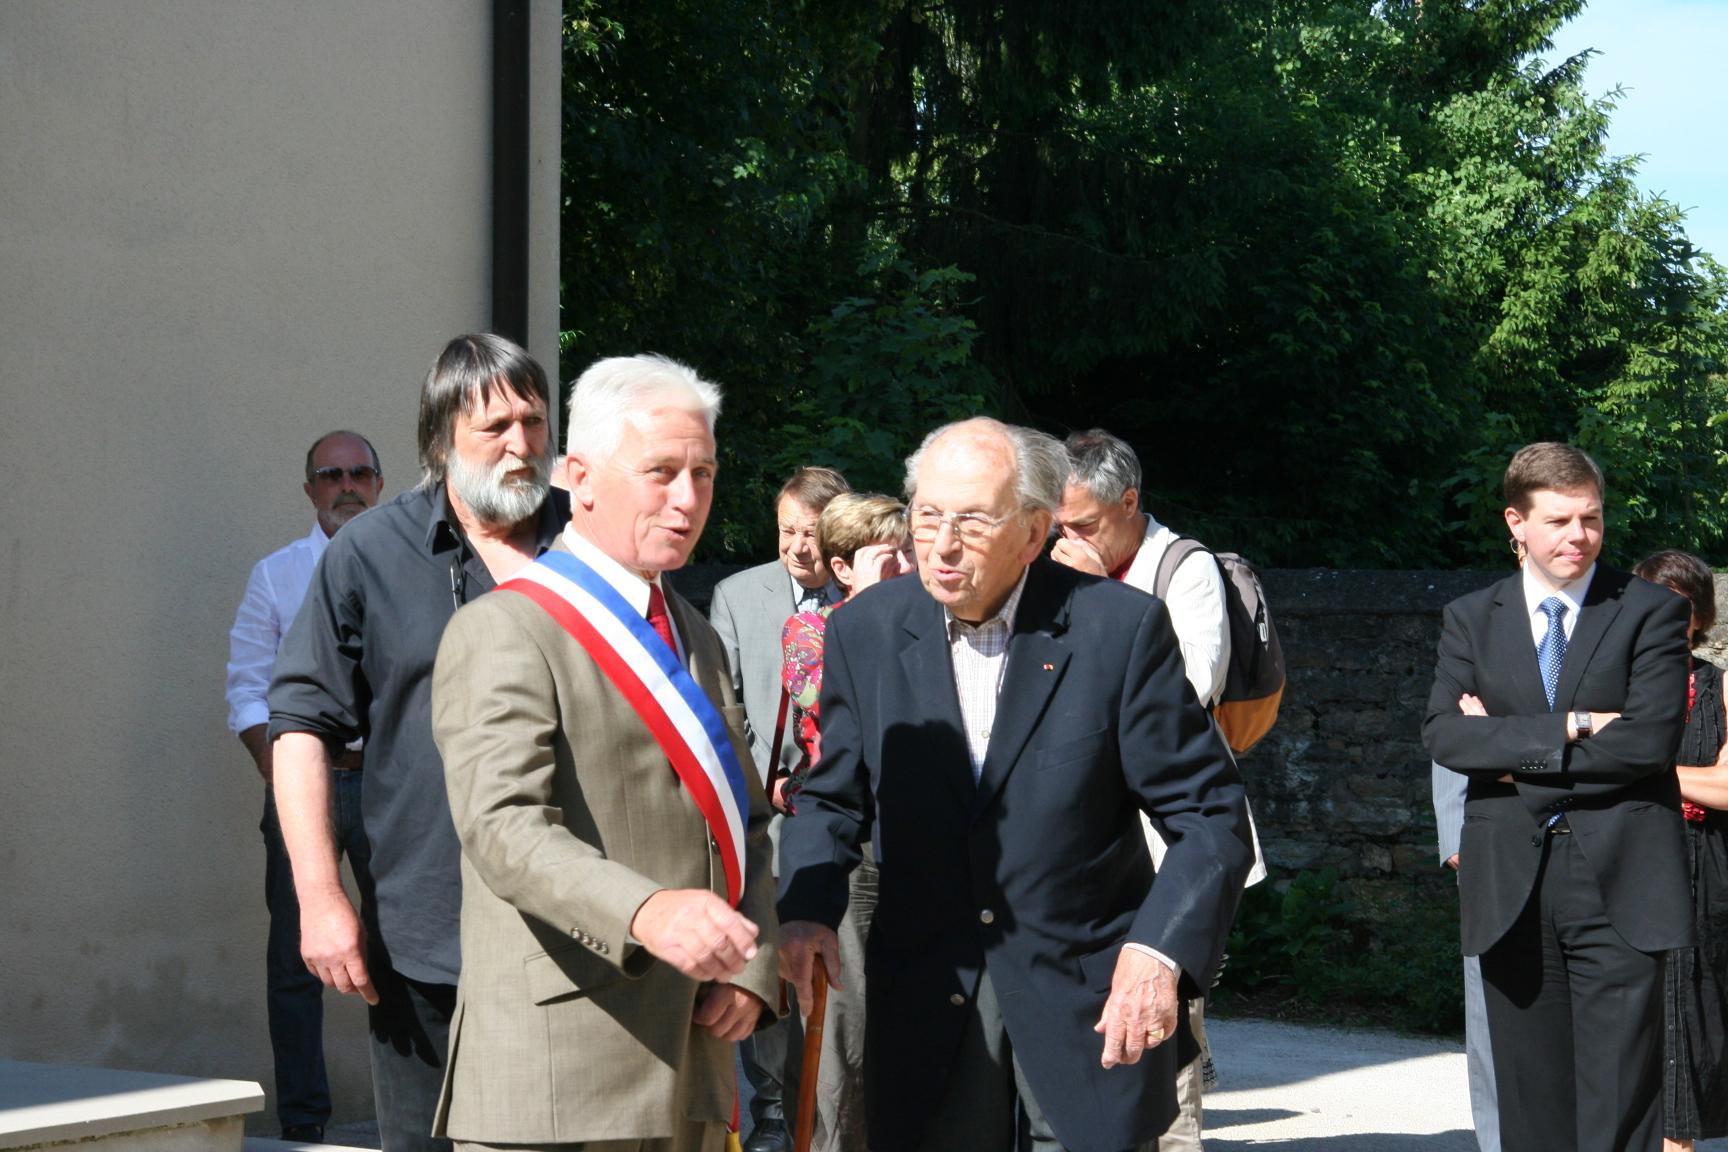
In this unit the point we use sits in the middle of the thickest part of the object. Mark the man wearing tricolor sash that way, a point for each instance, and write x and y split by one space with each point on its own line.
617 909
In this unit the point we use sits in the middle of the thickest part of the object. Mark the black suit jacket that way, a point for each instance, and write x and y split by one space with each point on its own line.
1040 869
1628 655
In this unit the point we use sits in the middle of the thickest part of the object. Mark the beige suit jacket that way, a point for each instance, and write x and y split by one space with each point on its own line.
570 817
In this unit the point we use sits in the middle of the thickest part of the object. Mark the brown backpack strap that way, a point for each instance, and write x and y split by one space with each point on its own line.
1179 550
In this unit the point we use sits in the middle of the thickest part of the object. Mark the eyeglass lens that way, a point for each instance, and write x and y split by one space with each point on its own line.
333 474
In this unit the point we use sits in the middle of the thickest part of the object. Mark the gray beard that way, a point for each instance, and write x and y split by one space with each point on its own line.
496 499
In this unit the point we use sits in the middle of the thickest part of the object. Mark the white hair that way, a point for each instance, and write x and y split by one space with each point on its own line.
1039 460
614 389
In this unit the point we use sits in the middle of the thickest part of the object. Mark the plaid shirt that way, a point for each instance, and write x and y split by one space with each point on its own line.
980 656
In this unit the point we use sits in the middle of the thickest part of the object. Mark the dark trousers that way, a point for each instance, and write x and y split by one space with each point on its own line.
410 1040
295 997
1575 1020
764 1054
988 1106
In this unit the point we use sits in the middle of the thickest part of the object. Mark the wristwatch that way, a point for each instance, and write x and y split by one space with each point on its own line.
1581 722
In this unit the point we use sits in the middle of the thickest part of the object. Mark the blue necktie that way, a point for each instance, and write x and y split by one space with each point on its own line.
1551 653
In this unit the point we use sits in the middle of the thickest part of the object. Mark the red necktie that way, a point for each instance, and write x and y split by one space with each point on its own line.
657 618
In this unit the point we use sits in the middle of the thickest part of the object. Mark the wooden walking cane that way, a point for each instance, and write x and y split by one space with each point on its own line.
807 1077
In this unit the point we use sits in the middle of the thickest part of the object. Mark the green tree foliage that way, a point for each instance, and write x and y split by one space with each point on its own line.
1326 264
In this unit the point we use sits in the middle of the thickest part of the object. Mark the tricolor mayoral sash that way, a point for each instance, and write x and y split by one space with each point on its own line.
687 726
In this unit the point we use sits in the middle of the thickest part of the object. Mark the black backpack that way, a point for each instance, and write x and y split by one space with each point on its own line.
1254 682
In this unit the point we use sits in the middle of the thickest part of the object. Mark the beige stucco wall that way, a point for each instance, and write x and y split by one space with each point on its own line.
225 227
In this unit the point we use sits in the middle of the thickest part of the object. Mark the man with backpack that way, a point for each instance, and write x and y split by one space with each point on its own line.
1105 531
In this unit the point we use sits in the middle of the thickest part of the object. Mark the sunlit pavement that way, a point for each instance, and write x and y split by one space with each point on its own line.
1304 1089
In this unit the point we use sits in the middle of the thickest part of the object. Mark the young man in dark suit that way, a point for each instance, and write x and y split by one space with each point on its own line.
1561 691
1000 723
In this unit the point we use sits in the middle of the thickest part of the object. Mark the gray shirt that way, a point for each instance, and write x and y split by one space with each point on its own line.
357 663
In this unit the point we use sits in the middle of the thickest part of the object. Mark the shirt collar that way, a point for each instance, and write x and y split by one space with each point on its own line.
1572 592
958 627
444 531
317 539
628 582
828 591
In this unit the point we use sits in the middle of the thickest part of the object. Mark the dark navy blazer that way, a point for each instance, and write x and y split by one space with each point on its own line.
1039 871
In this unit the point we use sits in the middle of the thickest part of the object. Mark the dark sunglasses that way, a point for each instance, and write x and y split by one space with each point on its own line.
364 474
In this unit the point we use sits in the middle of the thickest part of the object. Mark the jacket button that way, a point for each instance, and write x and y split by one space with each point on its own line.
986 917
957 1000
1536 841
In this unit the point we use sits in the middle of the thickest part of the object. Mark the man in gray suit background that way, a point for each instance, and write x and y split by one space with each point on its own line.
1449 788
748 611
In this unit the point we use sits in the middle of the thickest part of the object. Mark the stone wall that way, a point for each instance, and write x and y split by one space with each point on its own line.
1342 781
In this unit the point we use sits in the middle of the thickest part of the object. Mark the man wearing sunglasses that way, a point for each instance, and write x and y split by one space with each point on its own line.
343 479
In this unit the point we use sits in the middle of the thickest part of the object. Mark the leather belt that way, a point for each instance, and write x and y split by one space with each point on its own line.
348 760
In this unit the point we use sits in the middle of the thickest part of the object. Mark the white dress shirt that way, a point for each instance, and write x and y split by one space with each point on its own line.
627 582
1195 600
1572 593
272 599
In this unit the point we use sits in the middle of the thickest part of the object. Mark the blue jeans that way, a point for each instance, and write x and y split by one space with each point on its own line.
410 1039
295 996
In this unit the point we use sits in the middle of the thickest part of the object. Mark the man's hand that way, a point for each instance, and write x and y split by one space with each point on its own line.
696 932
333 944
1078 554
332 941
1452 861
800 942
727 1011
1473 706
1141 1011
874 563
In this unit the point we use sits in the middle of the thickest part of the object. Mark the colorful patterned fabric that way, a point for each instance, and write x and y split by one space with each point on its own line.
801 675
801 643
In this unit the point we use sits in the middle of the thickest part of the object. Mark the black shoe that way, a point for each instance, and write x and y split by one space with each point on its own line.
769 1136
304 1134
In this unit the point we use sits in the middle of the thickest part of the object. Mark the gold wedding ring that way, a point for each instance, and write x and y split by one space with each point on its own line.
1154 1036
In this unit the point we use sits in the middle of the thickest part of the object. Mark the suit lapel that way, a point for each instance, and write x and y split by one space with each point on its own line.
1601 605
1037 661
779 595
1514 651
684 620
930 672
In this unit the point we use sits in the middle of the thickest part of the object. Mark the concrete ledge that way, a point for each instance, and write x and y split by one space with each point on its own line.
263 1144
54 1103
